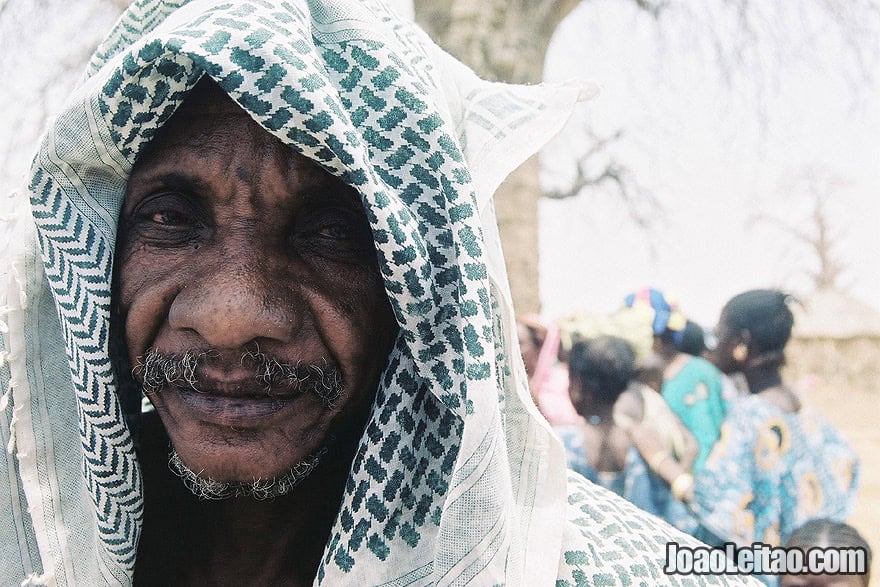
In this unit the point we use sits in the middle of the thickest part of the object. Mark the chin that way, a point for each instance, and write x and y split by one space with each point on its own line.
228 454
255 485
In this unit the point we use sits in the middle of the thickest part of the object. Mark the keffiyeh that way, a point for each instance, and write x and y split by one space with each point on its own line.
457 479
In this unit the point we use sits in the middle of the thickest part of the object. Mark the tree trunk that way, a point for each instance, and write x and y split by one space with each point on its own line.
504 40
516 208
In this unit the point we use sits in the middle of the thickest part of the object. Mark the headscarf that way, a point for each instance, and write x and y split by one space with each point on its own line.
457 478
661 309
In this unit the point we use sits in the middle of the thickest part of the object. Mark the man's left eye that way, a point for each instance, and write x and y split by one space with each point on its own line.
335 231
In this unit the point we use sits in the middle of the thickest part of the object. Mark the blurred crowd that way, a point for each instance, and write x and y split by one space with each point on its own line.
698 427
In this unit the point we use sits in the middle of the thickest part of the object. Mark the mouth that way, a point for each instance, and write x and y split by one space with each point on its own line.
237 411
208 390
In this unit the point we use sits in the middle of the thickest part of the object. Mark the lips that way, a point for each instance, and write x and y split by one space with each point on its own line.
233 410
236 403
209 388
250 388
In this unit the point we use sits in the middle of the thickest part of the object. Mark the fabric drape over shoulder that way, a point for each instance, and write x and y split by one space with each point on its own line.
457 479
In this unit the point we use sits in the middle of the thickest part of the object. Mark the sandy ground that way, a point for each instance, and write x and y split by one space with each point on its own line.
855 415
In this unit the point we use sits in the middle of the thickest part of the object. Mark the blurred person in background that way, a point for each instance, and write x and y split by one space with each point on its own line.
600 370
692 386
777 464
620 432
693 339
548 375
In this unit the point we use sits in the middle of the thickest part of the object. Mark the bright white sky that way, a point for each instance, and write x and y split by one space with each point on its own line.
712 160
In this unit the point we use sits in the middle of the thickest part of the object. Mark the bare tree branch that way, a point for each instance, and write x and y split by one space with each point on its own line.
614 177
818 236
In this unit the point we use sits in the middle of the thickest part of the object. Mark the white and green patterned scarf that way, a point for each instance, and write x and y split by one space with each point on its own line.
457 480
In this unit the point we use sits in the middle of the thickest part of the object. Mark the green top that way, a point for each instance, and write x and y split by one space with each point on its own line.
694 394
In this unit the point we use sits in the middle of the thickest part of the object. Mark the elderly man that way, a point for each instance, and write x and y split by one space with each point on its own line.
273 218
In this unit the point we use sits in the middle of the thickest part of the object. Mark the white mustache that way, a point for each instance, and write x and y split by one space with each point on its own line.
275 378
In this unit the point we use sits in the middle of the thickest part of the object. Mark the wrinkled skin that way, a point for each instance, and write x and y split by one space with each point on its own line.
230 243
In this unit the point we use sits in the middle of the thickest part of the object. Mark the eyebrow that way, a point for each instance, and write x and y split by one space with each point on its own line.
182 181
324 193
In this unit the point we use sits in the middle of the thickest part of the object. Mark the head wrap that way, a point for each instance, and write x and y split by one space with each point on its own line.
660 309
457 478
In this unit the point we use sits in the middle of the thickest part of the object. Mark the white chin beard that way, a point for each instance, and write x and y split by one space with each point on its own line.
207 488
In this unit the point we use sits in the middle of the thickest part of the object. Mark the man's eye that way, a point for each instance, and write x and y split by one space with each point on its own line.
165 219
335 231
170 218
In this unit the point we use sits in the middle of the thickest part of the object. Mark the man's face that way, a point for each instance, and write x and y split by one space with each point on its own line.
252 273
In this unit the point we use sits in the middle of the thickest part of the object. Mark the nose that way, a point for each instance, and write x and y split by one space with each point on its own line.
235 297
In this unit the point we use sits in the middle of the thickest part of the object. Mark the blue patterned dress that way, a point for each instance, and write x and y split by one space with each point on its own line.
771 471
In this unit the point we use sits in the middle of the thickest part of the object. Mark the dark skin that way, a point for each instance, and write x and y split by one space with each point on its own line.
231 242
605 443
239 541
737 353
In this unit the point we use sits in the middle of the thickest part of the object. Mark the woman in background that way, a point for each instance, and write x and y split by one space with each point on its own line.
692 386
612 445
777 463
600 370
548 376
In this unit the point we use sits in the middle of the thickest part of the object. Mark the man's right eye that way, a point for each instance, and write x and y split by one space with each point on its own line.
170 218
166 219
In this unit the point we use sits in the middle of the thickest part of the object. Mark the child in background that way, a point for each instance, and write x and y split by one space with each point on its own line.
825 533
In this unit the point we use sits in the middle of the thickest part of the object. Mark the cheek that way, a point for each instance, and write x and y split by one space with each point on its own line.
723 354
354 317
144 295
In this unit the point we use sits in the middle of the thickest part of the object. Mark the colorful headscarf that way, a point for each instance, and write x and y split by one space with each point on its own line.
660 309
458 479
